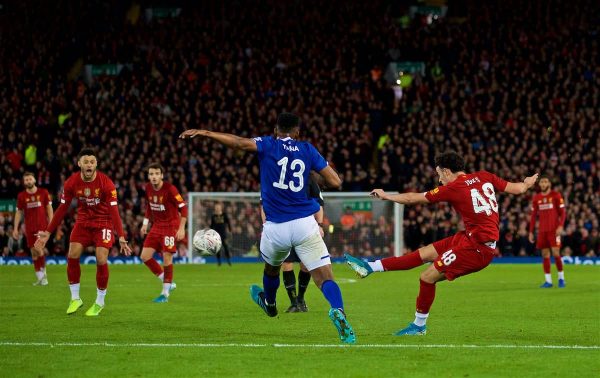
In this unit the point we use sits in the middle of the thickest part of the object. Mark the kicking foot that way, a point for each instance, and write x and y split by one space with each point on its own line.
360 267
412 330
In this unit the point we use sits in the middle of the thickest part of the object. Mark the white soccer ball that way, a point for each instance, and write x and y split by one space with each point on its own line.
207 242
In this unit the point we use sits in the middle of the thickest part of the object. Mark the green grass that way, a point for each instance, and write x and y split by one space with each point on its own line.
501 305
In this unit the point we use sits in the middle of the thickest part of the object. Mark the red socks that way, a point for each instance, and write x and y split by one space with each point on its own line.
154 267
168 274
36 265
73 271
102 276
426 297
42 261
408 261
558 262
547 265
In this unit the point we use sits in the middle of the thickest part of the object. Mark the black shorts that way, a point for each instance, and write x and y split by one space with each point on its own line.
293 257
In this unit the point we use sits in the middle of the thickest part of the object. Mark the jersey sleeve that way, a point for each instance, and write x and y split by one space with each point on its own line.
440 194
534 211
65 201
262 144
499 183
109 195
562 211
68 193
181 205
317 160
20 202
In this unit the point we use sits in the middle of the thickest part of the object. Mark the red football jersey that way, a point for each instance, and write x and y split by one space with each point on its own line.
551 208
164 206
33 206
93 199
473 196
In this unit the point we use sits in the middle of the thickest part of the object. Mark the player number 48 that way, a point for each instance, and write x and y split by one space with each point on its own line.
484 205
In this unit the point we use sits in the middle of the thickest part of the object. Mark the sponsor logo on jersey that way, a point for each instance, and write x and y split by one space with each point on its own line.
157 207
32 205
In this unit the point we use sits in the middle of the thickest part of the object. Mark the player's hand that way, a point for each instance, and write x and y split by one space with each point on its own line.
144 229
531 239
531 180
125 249
42 239
191 133
559 230
378 193
15 234
180 234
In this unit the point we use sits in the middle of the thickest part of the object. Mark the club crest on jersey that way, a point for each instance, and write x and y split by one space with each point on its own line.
97 192
87 192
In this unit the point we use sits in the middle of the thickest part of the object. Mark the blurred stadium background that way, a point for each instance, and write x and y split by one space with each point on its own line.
381 86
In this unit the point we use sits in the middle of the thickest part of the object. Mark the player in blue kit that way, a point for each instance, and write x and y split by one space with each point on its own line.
285 166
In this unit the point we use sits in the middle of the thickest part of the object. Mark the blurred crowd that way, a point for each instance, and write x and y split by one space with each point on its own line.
513 86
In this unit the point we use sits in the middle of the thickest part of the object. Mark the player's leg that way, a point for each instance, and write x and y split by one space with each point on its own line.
405 262
152 243
559 265
168 279
225 248
546 264
303 281
275 244
74 275
101 281
289 280
39 262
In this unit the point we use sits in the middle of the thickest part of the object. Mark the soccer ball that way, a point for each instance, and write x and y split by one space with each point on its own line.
207 242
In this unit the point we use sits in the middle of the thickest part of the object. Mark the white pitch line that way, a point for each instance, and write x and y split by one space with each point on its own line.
240 345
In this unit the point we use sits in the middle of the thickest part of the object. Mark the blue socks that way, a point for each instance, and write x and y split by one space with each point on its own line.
270 286
332 293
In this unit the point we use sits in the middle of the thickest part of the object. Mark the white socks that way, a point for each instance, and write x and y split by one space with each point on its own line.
548 277
39 275
166 289
74 291
420 319
376 265
100 294
561 275
161 276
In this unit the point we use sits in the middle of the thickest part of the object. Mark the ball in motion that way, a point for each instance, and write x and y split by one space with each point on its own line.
207 242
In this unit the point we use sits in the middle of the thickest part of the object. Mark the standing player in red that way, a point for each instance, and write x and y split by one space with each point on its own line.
473 196
35 203
550 205
165 204
97 217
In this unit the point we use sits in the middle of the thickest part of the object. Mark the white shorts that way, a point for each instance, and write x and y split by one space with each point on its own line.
303 234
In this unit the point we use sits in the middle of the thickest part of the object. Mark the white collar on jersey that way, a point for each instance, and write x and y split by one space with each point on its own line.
285 139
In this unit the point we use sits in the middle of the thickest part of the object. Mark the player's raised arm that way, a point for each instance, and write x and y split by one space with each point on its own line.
403 198
229 140
521 187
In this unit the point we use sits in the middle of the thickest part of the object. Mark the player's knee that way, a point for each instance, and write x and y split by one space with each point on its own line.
271 270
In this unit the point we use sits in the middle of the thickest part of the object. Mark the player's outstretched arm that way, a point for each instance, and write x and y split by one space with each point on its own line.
521 187
229 140
403 198
327 178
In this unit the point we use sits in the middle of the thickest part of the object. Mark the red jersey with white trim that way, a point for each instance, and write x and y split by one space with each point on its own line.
551 208
33 206
164 206
94 199
473 196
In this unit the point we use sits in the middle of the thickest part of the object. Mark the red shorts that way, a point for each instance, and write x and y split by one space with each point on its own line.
161 240
458 256
31 238
92 236
547 239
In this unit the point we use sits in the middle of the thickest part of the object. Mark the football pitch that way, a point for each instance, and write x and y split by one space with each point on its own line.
493 323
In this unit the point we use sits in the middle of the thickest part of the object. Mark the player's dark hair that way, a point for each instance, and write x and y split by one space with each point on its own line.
155 166
546 176
25 174
86 151
286 122
450 160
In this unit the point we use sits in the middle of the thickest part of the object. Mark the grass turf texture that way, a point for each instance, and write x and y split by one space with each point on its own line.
500 306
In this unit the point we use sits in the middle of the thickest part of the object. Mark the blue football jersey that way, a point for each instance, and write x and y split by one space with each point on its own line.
285 166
